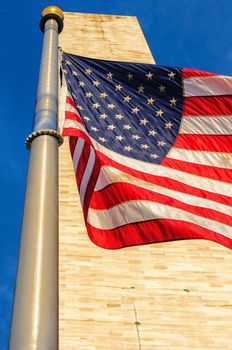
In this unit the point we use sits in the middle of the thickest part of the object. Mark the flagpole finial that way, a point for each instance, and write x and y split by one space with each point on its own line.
52 12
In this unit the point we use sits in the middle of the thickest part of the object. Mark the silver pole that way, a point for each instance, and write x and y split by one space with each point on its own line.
34 324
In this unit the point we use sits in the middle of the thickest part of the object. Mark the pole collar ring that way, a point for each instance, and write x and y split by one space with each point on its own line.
42 132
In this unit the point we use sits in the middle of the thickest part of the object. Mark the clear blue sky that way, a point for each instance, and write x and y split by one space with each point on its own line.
183 33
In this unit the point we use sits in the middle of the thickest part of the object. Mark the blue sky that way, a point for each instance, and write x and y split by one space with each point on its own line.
182 33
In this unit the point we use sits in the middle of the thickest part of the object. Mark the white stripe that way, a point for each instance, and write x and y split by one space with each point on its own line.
69 123
70 108
140 211
215 159
87 174
200 182
207 86
109 175
204 125
77 153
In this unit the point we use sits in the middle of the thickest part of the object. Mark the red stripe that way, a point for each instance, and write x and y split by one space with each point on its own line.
160 230
76 133
72 144
208 105
190 73
205 171
122 192
167 182
73 116
70 100
90 189
82 163
212 143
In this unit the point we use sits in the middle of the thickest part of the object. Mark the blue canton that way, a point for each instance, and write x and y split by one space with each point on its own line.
131 108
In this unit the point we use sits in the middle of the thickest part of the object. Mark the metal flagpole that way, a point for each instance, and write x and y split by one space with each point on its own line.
34 324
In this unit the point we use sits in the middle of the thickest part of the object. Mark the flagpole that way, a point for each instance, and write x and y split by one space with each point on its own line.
34 324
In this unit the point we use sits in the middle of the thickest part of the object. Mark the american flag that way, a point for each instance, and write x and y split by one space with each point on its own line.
151 151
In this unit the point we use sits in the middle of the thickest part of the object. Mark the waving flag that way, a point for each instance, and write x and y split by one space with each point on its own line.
151 151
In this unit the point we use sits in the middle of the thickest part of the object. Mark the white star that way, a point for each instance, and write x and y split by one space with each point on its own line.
103 116
94 128
96 83
168 125
65 71
150 101
74 73
88 71
126 126
154 155
135 110
119 116
87 119
159 113
149 75
68 62
80 108
102 139
136 137
127 99
74 95
144 146
173 102
130 76
152 133
88 94
119 138
144 121
111 127
95 105
109 75
111 106
171 75
162 88
81 83
161 143
127 148
103 95
118 87
141 88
